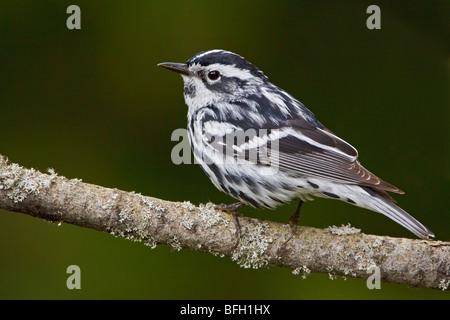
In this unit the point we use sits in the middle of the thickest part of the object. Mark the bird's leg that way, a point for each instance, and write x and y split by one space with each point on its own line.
293 220
232 209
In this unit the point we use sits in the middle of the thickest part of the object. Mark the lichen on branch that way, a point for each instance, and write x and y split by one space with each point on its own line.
338 251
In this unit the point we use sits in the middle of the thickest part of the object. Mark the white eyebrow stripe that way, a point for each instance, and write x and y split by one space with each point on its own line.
208 52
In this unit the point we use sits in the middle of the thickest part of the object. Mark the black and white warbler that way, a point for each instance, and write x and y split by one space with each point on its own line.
235 113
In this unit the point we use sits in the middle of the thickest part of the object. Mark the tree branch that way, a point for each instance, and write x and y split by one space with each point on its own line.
338 251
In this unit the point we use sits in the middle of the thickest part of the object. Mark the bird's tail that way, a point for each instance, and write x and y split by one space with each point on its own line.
368 198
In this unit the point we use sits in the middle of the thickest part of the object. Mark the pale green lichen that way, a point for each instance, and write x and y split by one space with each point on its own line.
348 272
331 274
251 251
175 243
444 284
53 174
340 272
303 270
186 205
73 182
19 183
366 252
110 203
187 222
124 215
210 216
151 242
343 230
156 207
149 204
186 219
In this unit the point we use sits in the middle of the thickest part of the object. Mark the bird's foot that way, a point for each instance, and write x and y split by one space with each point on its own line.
293 221
232 209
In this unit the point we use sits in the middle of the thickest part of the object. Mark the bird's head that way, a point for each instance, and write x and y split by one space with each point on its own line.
216 76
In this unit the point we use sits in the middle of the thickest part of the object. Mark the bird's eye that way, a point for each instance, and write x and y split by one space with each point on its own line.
214 75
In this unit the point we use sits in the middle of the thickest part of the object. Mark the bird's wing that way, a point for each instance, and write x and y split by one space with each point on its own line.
317 152
298 147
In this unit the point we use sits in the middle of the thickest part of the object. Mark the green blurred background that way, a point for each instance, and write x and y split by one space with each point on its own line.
92 104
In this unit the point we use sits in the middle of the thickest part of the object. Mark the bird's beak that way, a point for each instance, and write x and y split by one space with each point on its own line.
177 67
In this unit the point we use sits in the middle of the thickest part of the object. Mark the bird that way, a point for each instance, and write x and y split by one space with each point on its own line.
263 147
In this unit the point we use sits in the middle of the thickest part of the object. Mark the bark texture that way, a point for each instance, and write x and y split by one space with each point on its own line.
340 251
